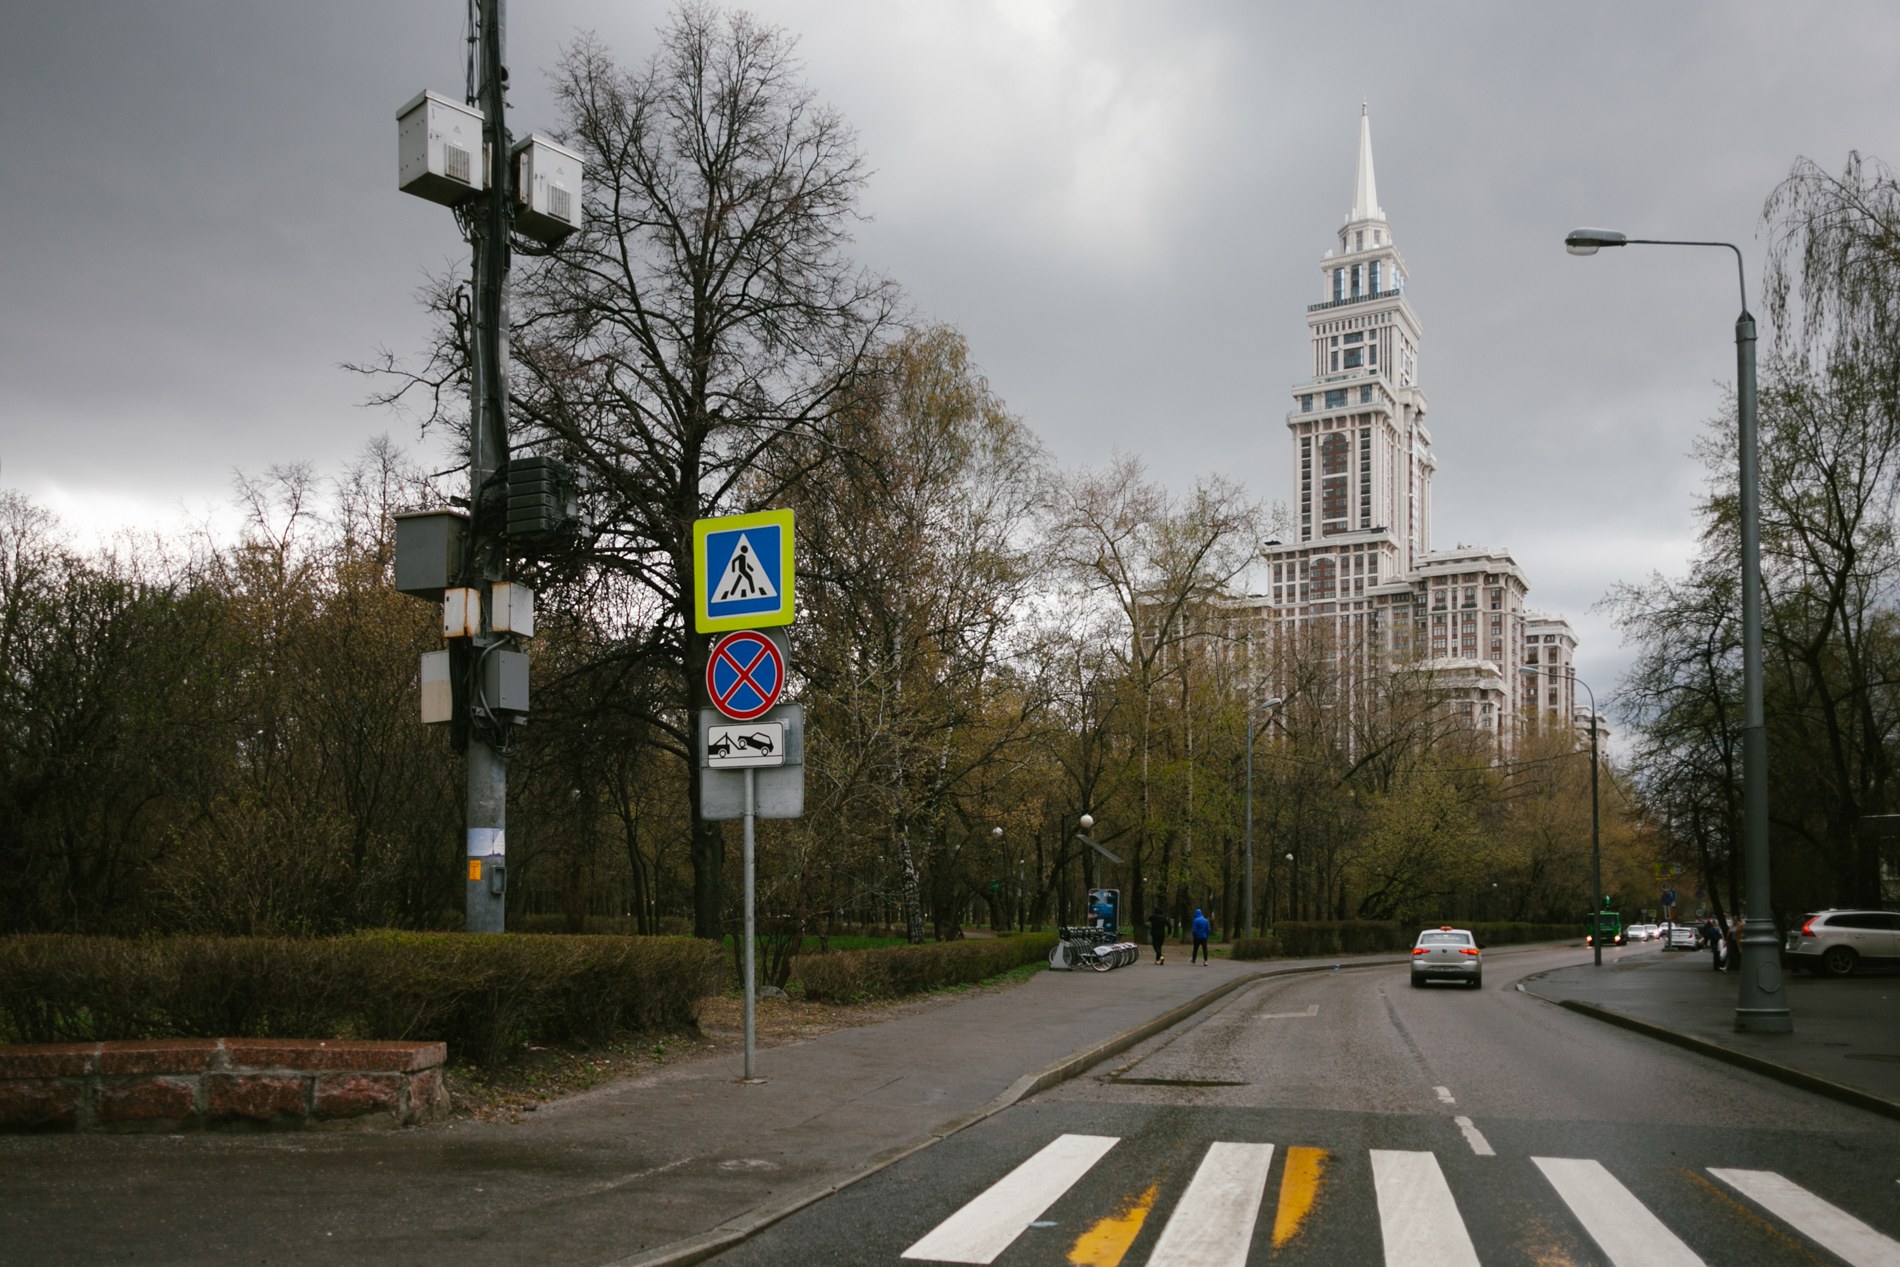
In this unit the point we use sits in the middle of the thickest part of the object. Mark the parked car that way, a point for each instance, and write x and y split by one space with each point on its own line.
1447 954
1839 942
1681 937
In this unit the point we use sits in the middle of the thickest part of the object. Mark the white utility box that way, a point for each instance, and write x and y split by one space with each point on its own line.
439 150
461 612
511 608
547 189
438 689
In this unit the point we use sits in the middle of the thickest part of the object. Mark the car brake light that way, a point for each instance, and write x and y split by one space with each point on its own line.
1421 950
1588 940
1467 950
1807 929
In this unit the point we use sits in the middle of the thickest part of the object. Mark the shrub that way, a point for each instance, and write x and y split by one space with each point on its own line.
843 976
483 995
1267 947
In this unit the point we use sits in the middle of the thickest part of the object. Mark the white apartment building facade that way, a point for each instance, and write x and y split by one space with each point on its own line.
1360 578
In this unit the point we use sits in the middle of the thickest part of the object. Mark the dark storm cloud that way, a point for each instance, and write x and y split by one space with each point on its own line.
1122 204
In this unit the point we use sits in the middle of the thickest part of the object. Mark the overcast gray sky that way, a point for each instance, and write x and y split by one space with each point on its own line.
1123 205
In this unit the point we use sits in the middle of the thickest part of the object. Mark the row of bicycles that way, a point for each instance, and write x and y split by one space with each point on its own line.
1097 948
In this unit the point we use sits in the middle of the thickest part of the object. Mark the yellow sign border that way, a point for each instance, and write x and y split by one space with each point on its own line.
703 622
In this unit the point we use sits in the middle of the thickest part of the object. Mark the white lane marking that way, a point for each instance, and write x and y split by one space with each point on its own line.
1444 1095
1838 1231
986 1225
1479 1144
1312 1009
1628 1234
1417 1216
1212 1225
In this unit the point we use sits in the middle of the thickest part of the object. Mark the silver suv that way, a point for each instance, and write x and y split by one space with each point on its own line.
1839 942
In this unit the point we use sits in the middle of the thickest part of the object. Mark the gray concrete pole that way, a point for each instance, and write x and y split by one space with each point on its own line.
487 792
1247 906
1596 852
1761 1006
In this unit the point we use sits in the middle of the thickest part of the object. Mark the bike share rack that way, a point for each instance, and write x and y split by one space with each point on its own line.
1097 948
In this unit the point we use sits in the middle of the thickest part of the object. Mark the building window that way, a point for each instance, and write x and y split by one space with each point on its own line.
1355 357
1339 284
1374 269
1336 399
1306 403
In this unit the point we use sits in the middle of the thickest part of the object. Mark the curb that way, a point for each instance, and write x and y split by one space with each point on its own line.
697 1249
1716 1051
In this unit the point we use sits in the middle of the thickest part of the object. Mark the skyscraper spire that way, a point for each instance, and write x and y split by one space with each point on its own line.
1365 200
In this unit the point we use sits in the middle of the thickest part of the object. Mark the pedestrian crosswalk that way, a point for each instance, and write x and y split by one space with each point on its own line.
1213 1222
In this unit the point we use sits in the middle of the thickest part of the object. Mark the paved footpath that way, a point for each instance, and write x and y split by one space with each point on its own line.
669 1167
1846 1039
660 1168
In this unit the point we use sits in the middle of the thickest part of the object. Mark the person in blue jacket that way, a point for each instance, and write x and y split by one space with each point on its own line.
1202 930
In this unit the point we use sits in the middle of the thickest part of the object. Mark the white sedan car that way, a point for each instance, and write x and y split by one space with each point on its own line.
1447 954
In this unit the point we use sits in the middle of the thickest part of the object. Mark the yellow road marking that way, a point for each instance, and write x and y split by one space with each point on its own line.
1299 1186
1104 1244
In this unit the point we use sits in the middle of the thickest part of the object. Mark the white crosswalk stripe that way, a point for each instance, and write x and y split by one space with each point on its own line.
1417 1216
985 1226
1628 1234
1832 1227
1213 1224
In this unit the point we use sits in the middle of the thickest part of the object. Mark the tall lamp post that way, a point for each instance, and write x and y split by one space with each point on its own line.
1247 906
1761 1006
1596 853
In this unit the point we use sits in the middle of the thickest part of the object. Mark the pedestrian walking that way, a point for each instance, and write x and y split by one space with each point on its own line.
1202 930
1158 933
1712 934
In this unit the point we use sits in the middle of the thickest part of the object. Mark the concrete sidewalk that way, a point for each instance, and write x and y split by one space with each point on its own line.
665 1168
1846 1039
674 1166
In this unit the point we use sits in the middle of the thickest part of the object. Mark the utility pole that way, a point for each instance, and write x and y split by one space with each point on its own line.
460 155
487 795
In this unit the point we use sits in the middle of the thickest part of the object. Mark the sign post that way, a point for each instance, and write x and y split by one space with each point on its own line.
743 574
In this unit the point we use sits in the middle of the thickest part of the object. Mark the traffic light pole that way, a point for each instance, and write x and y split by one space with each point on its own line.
487 796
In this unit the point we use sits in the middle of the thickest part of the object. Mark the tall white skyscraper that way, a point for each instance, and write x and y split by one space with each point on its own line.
1359 594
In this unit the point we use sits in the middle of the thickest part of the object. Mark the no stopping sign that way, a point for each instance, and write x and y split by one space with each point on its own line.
744 674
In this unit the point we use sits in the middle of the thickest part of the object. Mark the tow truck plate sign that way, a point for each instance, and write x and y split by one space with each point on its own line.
744 744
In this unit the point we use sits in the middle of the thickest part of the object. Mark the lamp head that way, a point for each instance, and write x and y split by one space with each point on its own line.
1275 702
1588 241
1087 822
997 832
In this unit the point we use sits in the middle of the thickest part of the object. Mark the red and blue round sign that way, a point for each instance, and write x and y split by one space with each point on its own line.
744 674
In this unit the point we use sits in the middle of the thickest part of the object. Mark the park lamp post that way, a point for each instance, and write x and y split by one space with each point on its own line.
1596 853
1761 1006
1247 906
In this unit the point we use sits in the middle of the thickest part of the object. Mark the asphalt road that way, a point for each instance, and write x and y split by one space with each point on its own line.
1346 1118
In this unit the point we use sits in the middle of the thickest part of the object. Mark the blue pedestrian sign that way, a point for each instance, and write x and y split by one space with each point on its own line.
742 571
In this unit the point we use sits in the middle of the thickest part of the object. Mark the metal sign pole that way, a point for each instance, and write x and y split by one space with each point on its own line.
751 777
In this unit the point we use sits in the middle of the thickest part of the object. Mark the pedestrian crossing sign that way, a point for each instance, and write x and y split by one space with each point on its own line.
742 571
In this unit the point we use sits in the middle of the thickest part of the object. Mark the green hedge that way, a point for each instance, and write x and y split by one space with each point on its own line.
483 995
1304 939
843 976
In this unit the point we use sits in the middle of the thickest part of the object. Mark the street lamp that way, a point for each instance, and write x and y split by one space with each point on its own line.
1761 1007
996 834
1596 854
1247 906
